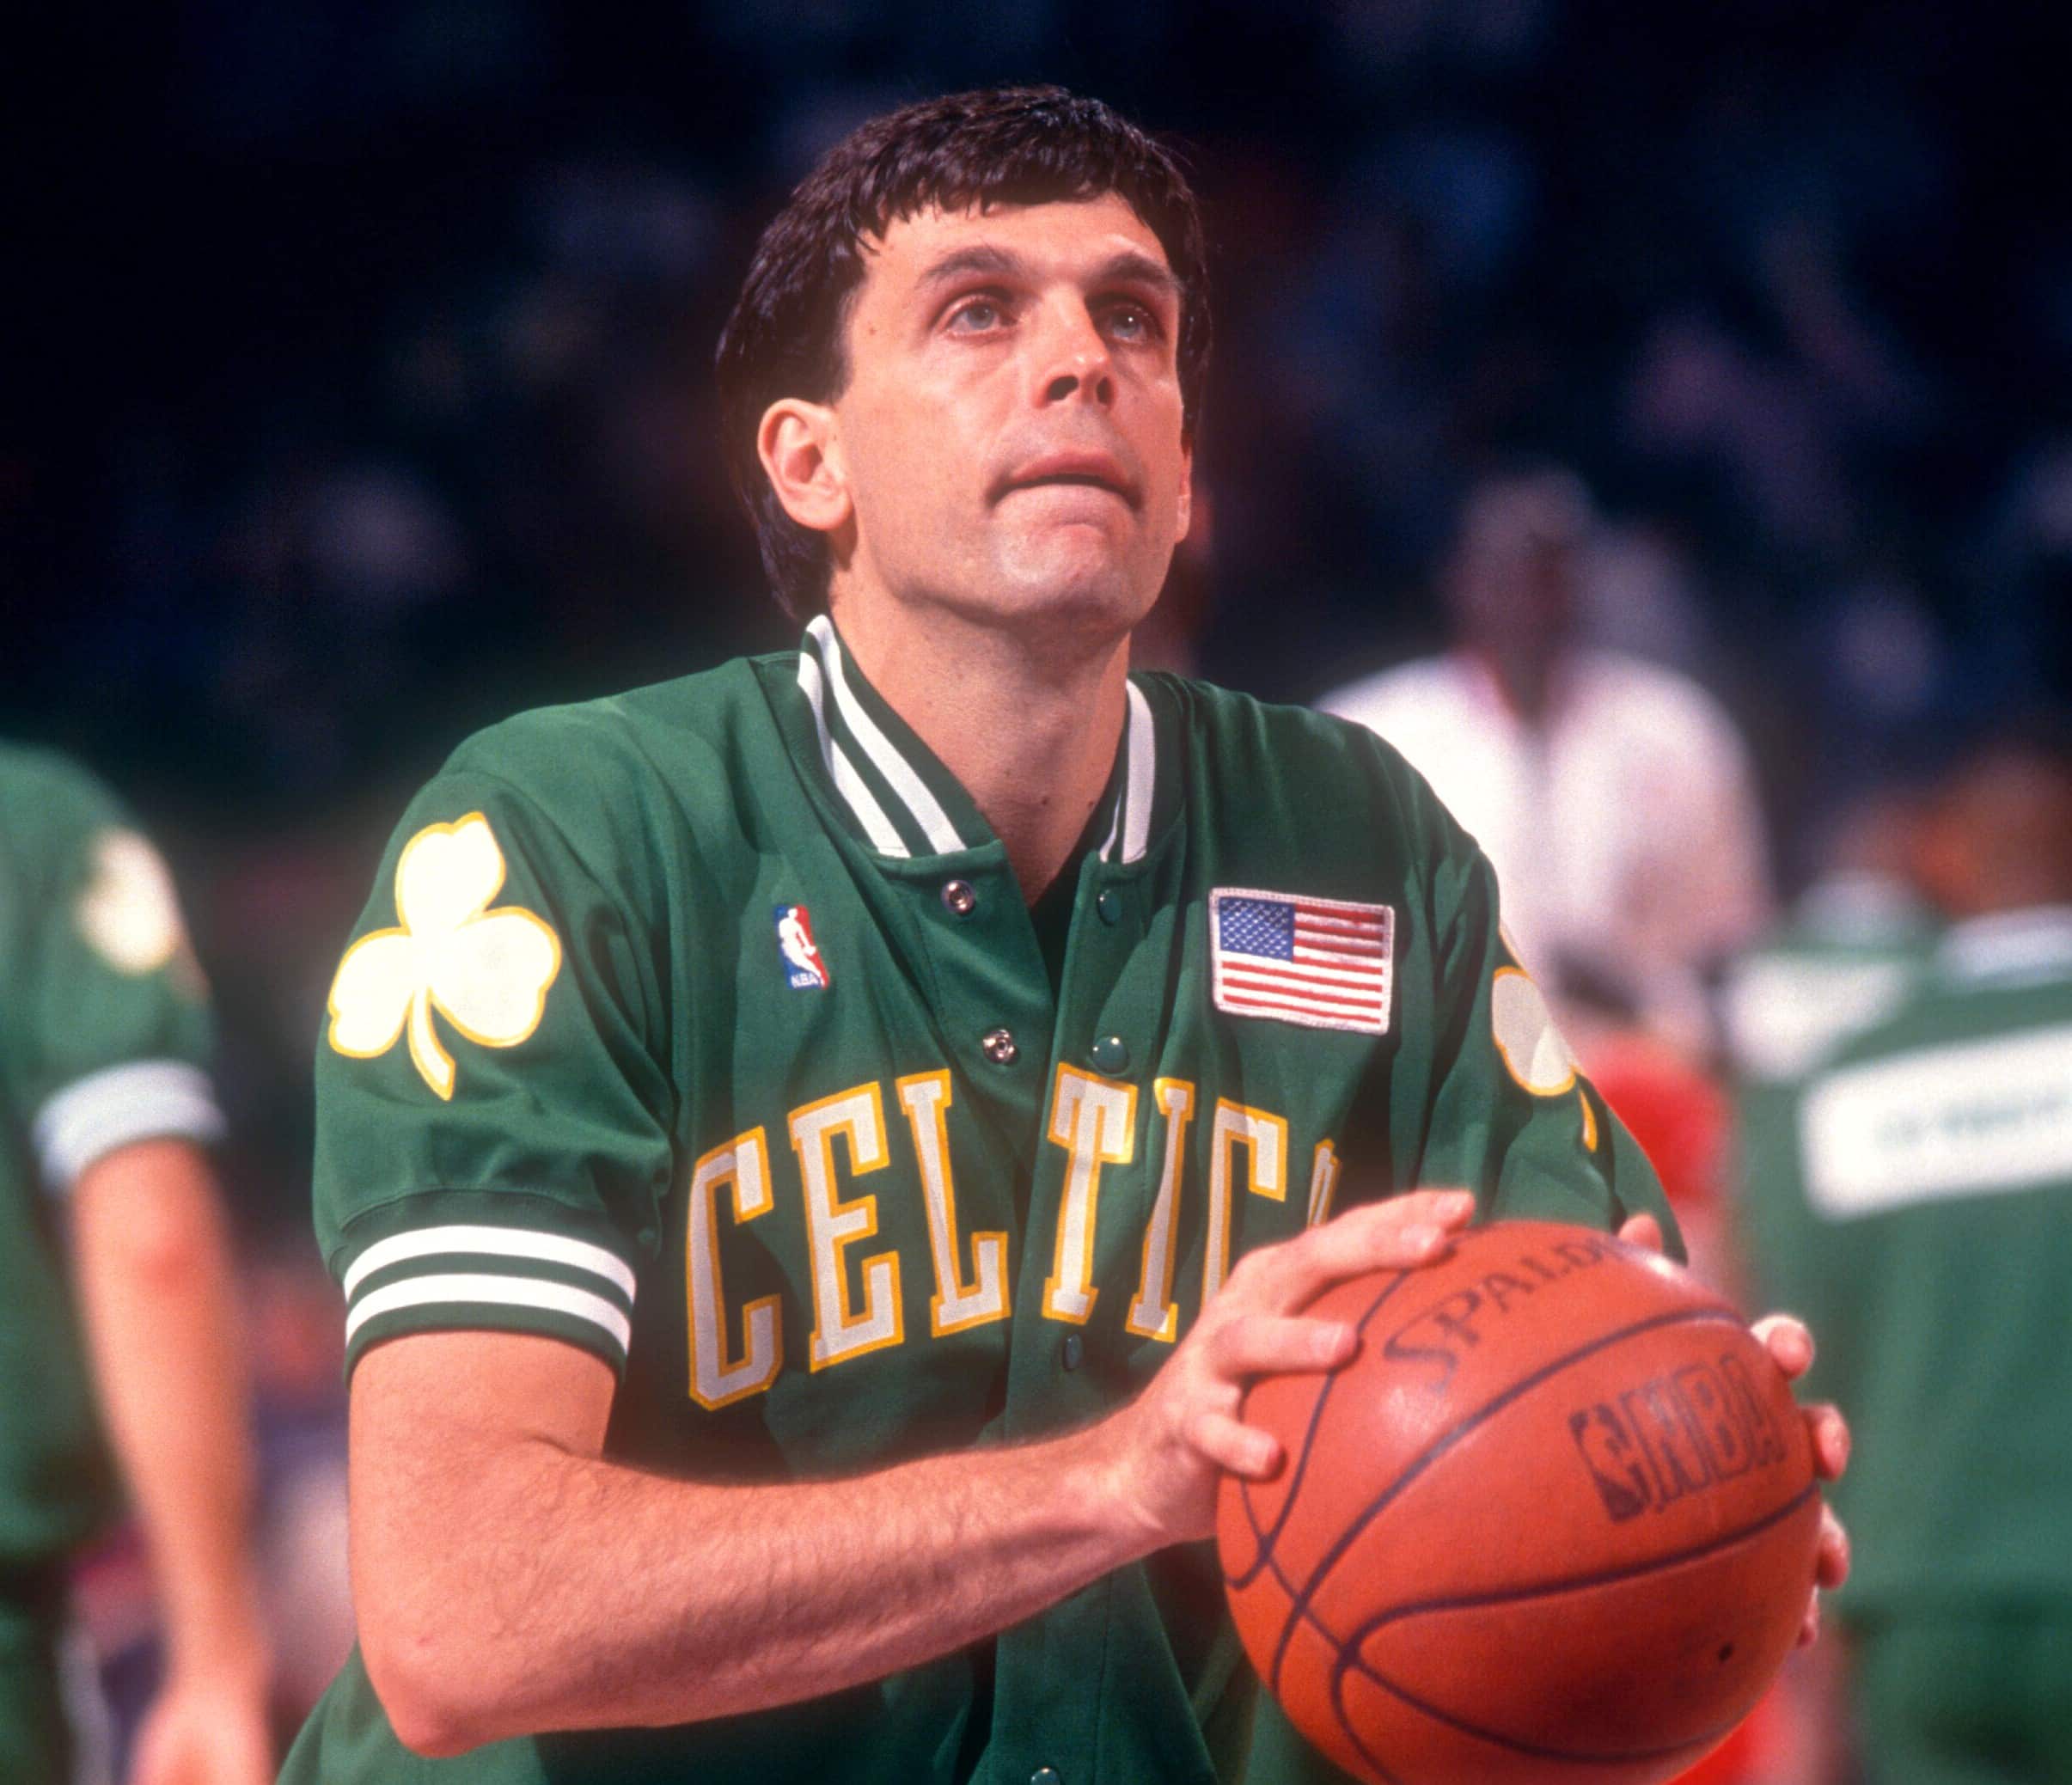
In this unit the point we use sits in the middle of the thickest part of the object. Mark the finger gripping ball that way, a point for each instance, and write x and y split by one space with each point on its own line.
1556 1520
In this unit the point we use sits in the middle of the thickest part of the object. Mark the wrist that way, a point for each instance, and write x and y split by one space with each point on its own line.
1109 1479
223 1663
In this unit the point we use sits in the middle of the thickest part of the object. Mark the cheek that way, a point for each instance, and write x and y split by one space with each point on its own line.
905 461
1168 490
1159 430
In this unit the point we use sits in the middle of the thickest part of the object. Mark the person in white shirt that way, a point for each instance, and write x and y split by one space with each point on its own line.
1614 796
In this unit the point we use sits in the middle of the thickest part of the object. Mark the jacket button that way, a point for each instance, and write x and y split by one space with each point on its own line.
1045 1776
1072 1350
958 899
1000 1047
1110 1055
1110 905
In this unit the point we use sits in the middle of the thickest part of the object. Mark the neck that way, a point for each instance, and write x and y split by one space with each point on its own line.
1031 734
1525 682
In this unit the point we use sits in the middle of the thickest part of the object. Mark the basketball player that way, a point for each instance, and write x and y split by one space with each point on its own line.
1912 1194
760 1376
119 1355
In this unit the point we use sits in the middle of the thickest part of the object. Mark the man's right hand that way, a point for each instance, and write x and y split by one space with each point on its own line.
1173 1444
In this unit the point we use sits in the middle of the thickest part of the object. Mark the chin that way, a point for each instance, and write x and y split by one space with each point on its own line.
1090 609
1080 584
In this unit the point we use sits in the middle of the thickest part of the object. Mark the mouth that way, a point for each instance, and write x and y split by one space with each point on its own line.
1079 470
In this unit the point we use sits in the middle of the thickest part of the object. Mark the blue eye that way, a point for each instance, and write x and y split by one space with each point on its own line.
977 316
1132 323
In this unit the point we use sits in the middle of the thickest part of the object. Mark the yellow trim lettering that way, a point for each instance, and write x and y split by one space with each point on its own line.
718 1380
1324 1183
1264 1135
1095 1120
833 1225
1154 1314
959 1302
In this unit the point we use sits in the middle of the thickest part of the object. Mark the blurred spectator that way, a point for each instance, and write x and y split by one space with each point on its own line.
1612 795
1907 1198
120 1278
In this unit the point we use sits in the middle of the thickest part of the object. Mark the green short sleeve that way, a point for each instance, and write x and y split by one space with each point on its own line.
1513 1117
492 1123
108 1037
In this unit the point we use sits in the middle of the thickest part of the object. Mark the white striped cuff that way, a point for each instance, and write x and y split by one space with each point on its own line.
145 1100
468 1288
451 1266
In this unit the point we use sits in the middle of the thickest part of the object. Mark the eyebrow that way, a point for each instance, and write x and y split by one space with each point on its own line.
1128 267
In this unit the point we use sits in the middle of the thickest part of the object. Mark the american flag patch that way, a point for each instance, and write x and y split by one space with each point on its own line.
1323 963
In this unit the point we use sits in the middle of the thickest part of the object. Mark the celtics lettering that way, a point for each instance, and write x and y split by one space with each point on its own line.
860 1292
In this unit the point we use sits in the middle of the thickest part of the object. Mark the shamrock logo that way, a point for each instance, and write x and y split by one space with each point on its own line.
486 972
1532 1048
130 914
1525 1035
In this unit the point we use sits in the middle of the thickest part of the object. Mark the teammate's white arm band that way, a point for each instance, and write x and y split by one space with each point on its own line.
142 1100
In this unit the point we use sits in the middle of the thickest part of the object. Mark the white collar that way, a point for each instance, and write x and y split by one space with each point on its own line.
902 796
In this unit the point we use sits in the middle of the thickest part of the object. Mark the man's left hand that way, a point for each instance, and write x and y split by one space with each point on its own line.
1791 1349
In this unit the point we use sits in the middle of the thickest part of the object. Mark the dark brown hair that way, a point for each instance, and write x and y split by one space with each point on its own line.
1016 145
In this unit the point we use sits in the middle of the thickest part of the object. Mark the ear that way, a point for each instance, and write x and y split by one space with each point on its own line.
1186 514
800 449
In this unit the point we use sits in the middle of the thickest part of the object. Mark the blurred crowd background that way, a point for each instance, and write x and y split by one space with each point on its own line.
358 393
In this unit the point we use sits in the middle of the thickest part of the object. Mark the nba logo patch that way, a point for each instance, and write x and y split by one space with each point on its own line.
805 968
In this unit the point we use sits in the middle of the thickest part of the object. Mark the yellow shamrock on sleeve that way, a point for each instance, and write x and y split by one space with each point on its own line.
486 972
1532 1048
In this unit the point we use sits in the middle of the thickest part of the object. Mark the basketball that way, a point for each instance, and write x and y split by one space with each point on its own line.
1557 1519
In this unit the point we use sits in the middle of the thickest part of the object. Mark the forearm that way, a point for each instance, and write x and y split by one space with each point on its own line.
585 1594
507 1581
154 1265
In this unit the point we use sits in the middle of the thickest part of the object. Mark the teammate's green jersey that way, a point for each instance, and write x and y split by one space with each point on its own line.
1849 956
103 1037
1918 1220
706 1028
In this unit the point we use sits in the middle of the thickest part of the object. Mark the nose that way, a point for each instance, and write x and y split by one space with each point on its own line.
1072 362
